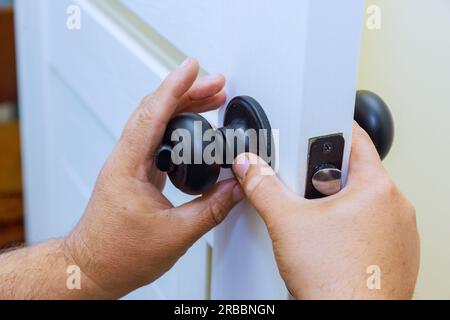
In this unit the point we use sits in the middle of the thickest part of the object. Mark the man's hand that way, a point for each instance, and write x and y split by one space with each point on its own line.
130 233
324 247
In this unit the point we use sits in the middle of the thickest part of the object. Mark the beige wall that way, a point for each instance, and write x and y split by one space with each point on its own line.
408 63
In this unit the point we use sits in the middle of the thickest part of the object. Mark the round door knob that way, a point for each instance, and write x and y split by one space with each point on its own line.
327 180
374 116
185 170
192 152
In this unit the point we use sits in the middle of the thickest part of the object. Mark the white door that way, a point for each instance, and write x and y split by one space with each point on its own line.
79 85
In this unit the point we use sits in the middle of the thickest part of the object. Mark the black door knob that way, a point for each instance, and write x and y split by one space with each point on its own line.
374 116
193 152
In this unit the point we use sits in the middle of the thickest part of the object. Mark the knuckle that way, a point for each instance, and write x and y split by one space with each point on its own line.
254 185
108 166
216 212
148 119
148 100
145 119
148 111
386 187
141 116
145 116
390 194
411 212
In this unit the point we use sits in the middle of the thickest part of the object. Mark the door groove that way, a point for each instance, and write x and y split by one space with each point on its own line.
150 39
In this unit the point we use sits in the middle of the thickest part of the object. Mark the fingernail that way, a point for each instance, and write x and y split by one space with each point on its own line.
241 166
184 63
238 193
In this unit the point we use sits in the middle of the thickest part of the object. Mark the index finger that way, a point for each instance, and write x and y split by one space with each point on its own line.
146 127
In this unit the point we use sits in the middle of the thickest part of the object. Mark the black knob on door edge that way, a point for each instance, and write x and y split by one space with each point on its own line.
188 169
374 116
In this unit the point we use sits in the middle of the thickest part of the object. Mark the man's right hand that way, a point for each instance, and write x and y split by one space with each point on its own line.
332 248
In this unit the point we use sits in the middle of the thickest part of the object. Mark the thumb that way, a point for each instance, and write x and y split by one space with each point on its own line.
261 185
199 216
363 158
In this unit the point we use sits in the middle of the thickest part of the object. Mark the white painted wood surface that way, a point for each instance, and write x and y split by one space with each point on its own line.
297 58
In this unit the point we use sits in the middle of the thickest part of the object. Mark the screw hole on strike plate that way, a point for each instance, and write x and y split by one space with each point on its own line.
327 147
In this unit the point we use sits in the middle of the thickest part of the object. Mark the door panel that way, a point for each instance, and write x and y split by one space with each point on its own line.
77 160
110 75
282 53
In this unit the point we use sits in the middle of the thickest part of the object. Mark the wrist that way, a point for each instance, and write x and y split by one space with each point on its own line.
79 256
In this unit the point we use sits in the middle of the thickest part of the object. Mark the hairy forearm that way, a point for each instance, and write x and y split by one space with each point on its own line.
45 271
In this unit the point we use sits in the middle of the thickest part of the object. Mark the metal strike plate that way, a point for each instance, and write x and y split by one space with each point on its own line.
326 150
